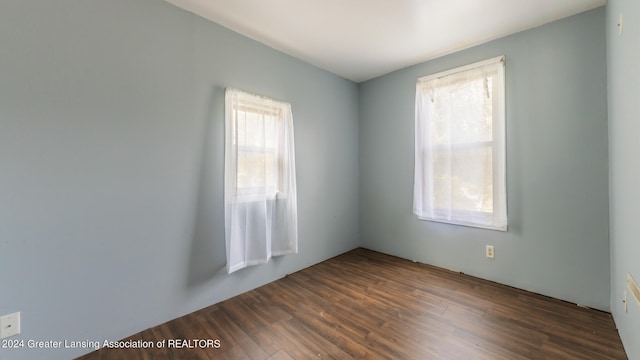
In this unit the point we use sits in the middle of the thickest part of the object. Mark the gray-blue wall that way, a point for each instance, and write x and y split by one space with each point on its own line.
111 151
623 54
557 175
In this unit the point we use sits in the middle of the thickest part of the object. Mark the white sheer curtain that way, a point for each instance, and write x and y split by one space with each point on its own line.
260 180
460 146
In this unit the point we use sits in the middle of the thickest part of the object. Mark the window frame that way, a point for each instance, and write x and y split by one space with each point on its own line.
250 103
496 219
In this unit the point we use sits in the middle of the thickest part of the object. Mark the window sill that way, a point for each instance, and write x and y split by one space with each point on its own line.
484 220
253 198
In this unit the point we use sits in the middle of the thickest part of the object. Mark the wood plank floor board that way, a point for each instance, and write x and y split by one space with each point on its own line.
493 336
226 327
488 347
317 324
281 355
368 305
229 353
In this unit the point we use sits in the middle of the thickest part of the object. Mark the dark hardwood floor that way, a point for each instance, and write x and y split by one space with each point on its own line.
364 304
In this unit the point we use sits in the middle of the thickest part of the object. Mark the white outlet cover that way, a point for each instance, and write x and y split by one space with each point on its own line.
9 325
490 252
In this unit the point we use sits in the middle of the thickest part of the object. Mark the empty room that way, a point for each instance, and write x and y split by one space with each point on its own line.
387 179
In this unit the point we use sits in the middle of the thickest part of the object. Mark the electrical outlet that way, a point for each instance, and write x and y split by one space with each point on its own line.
9 325
489 252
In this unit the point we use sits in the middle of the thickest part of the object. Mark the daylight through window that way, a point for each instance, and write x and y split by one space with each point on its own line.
460 146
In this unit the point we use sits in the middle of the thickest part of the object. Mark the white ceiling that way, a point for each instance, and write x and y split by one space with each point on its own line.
363 39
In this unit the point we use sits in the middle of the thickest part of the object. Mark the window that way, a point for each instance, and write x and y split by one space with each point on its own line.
460 146
258 135
259 181
261 142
